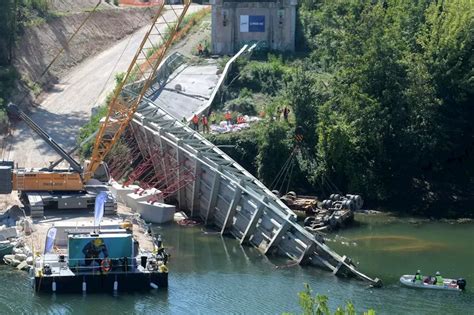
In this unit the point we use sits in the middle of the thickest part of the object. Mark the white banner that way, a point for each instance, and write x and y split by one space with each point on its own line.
99 207
50 237
244 23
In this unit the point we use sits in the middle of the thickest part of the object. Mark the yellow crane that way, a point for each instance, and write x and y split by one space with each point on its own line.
141 73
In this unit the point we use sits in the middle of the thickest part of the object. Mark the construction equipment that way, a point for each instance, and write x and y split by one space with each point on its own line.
77 186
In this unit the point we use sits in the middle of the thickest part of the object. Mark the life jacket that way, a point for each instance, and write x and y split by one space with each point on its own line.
204 120
418 277
195 119
439 280
228 116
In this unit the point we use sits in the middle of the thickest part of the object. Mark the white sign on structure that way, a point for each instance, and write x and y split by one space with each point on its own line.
252 23
244 23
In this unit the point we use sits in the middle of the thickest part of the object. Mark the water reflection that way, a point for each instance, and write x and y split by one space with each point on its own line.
398 243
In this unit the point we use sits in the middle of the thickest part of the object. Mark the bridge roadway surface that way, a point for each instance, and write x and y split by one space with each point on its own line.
188 89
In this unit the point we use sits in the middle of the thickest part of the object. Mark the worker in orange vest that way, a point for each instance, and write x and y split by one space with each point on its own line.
228 118
205 124
196 122
199 49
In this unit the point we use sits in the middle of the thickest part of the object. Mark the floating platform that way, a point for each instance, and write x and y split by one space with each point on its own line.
141 280
109 261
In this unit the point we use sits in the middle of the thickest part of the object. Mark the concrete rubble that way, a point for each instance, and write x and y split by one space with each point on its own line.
14 227
222 127
134 198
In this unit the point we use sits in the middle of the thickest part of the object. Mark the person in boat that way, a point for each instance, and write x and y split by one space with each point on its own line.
438 279
92 251
418 277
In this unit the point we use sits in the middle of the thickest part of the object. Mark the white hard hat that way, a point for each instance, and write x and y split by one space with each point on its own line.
418 271
437 273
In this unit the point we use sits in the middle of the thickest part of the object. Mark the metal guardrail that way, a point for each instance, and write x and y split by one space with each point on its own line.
222 80
63 265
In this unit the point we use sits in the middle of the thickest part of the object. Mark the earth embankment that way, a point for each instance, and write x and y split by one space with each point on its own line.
38 45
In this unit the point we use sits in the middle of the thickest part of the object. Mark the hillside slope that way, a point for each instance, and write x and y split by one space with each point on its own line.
38 45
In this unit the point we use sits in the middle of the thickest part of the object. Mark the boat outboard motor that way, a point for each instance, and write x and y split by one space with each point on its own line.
461 283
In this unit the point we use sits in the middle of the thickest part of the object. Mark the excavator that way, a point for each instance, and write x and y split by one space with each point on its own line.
77 186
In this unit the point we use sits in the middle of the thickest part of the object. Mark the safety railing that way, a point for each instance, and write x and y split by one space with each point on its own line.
60 263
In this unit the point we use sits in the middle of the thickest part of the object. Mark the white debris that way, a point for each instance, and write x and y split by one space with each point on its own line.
20 257
17 250
223 127
23 266
8 259
28 227
8 232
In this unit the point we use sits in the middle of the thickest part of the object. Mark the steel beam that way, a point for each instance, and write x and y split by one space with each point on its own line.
233 205
196 186
308 251
162 149
213 195
253 221
285 225
180 164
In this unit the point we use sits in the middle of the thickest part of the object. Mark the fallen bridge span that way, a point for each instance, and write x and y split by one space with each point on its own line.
209 185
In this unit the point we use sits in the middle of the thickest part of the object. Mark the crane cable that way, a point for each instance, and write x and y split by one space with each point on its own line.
70 39
284 170
4 145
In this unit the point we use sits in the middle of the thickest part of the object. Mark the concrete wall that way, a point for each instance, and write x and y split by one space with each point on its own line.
279 25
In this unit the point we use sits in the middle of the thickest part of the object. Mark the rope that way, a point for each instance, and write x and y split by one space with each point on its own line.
289 176
283 169
120 57
5 149
63 48
70 38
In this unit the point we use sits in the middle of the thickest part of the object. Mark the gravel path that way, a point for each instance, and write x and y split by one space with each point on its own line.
68 105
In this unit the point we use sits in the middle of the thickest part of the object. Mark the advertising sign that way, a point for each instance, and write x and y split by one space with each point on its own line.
252 23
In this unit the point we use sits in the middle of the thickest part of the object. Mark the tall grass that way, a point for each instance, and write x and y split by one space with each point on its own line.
42 6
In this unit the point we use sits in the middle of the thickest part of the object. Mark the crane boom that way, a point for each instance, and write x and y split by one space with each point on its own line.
140 74
15 110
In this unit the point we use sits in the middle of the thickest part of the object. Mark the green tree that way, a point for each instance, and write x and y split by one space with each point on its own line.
318 304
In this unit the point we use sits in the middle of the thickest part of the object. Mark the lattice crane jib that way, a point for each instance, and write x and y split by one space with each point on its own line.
137 80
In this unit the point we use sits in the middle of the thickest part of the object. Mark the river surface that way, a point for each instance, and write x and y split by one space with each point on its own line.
214 275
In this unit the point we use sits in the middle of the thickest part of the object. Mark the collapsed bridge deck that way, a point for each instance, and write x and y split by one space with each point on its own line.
208 184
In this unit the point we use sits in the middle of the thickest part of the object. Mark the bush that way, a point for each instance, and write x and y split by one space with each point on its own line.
88 129
265 77
318 304
241 146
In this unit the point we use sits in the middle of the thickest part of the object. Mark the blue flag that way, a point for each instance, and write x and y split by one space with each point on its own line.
48 247
99 207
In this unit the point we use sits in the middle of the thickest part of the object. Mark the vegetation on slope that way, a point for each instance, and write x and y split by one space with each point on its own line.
14 16
385 99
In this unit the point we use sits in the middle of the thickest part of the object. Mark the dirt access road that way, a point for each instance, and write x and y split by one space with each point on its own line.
67 107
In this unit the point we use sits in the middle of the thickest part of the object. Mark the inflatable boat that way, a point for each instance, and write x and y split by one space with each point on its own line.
427 283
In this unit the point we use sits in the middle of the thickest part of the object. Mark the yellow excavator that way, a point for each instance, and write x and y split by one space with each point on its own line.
77 186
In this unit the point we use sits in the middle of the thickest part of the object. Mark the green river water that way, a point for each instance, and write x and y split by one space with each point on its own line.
214 275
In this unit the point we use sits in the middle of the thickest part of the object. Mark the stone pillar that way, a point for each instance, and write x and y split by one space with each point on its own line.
293 4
